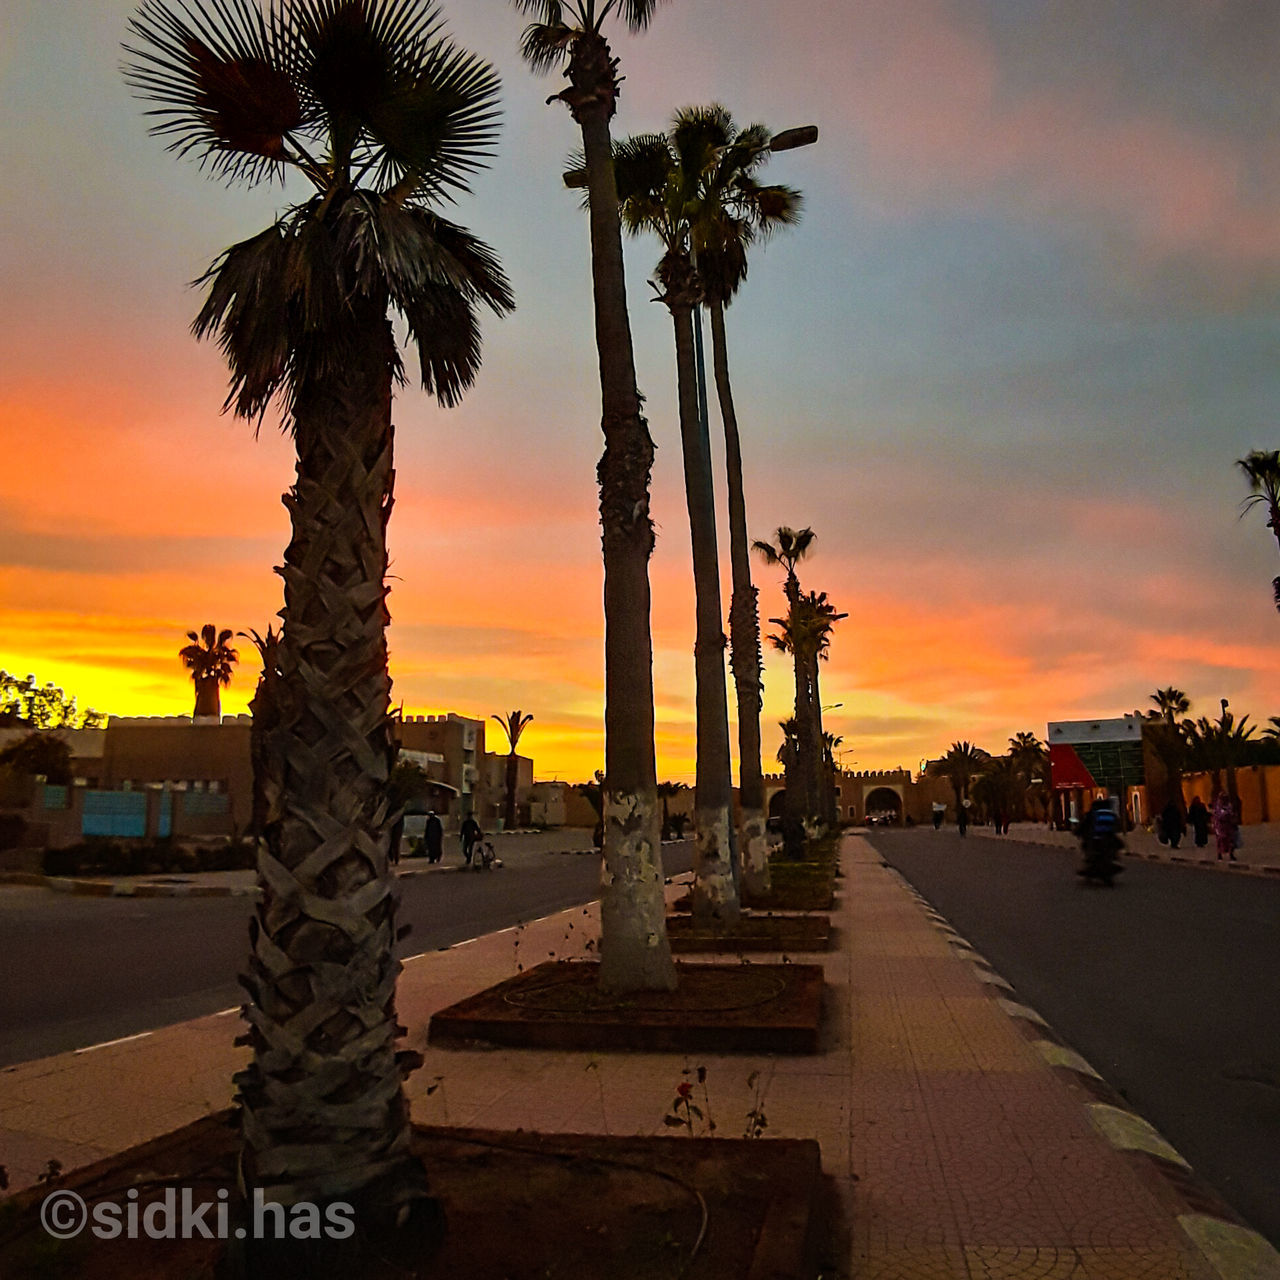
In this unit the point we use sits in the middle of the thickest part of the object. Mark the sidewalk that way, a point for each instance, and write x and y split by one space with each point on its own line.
963 1140
1259 853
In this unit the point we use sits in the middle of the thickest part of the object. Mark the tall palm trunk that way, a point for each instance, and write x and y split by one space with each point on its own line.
715 895
744 631
822 782
324 1113
632 907
513 778
808 747
208 698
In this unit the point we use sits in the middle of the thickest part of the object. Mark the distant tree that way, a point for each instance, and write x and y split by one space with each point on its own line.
1031 763
1262 470
789 547
39 753
673 824
513 725
1220 746
962 763
210 658
407 782
42 706
1168 735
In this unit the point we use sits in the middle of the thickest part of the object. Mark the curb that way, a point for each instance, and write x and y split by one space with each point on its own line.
1232 1248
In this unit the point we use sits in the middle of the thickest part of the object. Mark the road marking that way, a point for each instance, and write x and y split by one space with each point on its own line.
106 1044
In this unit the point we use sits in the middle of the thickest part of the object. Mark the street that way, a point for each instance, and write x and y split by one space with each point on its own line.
79 971
1166 984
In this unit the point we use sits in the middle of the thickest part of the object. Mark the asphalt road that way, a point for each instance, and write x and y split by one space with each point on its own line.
1166 984
78 971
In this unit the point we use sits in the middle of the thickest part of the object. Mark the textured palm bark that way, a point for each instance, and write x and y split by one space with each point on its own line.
208 699
715 893
808 748
745 657
636 955
324 1115
513 766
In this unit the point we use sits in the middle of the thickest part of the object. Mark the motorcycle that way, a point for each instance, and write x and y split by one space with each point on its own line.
1101 862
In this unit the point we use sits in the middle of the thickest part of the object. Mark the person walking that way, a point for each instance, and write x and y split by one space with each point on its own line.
1198 818
433 837
470 833
939 812
1172 825
1225 826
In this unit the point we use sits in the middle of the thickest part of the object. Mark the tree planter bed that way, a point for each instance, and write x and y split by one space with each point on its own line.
751 933
517 1206
717 1008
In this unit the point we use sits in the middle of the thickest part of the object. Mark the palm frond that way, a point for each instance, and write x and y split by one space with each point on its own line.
545 45
636 13
217 77
438 274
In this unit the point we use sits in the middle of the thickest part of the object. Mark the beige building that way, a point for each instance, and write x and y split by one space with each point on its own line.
172 776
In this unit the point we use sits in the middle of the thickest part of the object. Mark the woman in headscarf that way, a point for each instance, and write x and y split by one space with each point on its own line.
1225 825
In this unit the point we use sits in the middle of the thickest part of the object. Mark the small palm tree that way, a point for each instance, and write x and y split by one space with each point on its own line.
805 633
1262 470
1031 763
962 763
1168 736
383 118
790 547
570 34
210 660
513 725
1219 746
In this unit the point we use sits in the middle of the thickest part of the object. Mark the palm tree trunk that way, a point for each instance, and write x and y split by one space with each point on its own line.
636 955
509 819
744 632
823 790
208 699
324 1114
806 747
715 895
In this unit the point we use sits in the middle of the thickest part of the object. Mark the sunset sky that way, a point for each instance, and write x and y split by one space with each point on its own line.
1003 368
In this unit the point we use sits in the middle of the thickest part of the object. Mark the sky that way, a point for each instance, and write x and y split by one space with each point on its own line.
1003 368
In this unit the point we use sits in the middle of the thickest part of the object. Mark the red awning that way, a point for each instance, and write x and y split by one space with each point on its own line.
1067 770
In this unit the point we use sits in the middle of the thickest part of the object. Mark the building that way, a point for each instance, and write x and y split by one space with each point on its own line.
160 776
895 796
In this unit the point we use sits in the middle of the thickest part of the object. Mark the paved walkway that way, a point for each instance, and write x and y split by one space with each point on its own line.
963 1140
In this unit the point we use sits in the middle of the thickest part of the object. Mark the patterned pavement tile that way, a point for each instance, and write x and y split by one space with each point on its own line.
1049 1263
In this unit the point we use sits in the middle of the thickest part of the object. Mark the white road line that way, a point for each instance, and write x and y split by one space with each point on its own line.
106 1044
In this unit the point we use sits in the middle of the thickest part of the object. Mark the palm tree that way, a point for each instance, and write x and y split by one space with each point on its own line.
513 725
805 633
962 763
569 34
1218 746
791 547
1031 763
1168 738
729 212
672 824
210 659
383 117
1262 470
657 176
